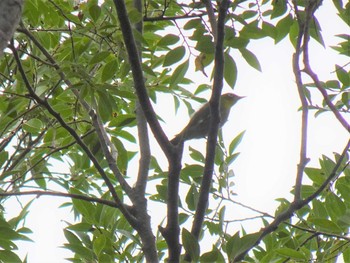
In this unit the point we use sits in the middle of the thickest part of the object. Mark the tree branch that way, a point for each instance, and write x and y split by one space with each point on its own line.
58 117
138 78
296 205
214 125
69 195
308 70
172 18
304 119
138 196
212 19
103 138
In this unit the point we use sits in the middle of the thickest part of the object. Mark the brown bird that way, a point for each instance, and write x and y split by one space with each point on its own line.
198 126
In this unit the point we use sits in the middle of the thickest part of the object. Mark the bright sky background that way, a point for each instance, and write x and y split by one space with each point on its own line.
266 168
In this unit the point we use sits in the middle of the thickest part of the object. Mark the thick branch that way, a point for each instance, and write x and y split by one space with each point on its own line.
138 197
214 125
145 151
172 231
138 77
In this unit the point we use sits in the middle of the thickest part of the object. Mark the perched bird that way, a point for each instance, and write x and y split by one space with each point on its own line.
198 126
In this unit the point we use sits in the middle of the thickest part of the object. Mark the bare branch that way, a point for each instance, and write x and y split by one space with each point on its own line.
304 119
310 10
212 19
172 18
138 77
214 125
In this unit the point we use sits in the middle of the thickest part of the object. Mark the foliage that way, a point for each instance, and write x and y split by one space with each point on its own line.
72 96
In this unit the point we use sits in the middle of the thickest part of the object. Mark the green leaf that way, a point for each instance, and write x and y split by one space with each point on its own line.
174 56
99 244
192 198
332 84
193 23
193 171
252 31
232 246
168 40
235 142
209 257
202 88
80 227
238 42
71 238
190 244
105 105
33 126
3 157
196 155
279 8
122 160
85 208
248 241
9 256
213 256
229 159
335 207
205 45
315 31
179 74
95 12
283 27
123 120
109 70
82 251
346 254
98 57
230 71
323 224
250 58
8 233
342 75
269 29
291 253
134 15
315 175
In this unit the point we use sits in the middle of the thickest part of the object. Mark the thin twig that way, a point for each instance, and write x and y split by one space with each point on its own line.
73 133
69 195
304 119
212 19
296 205
103 138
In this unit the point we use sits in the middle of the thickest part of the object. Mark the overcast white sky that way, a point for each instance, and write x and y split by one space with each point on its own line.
266 168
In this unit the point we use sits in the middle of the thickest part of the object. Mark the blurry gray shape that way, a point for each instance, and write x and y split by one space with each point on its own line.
10 14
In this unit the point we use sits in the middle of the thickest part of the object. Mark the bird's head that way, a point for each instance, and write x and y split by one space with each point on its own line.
229 99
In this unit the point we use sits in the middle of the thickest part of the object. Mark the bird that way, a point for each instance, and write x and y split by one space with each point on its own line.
199 124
